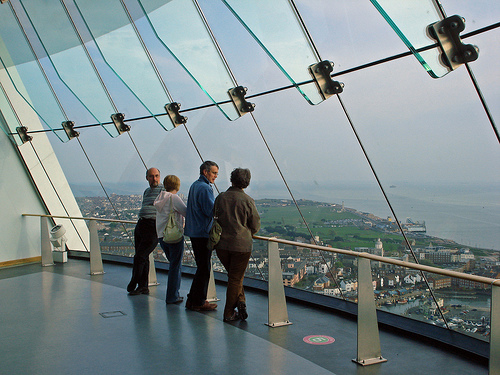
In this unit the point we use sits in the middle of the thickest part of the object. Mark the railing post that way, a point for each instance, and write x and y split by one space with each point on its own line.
277 312
95 250
212 292
153 281
46 248
494 365
369 351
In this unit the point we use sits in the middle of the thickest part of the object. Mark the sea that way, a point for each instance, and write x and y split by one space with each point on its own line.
467 213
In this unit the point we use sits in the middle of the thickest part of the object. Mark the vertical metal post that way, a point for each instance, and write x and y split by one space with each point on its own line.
95 250
369 351
212 292
46 248
153 281
494 366
277 312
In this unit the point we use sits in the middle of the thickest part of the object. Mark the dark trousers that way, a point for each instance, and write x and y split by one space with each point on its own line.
235 264
198 293
145 241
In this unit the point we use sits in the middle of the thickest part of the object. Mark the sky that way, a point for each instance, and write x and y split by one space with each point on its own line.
415 130
413 127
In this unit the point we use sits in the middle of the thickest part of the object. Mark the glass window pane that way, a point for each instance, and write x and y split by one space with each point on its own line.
193 47
15 50
123 52
409 19
69 57
276 28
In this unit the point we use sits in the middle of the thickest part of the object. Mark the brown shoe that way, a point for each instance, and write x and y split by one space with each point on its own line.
234 316
205 307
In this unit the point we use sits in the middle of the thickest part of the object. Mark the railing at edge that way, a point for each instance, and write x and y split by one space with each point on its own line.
368 348
480 279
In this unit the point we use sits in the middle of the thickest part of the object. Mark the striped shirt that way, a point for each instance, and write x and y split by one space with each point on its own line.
148 211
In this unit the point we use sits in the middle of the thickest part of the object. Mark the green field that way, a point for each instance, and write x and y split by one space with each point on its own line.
282 219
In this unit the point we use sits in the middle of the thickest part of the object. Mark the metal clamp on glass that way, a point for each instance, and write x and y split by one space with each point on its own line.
22 131
121 127
237 95
321 75
68 128
453 52
173 112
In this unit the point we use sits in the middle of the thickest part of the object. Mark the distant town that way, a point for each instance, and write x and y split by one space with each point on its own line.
397 290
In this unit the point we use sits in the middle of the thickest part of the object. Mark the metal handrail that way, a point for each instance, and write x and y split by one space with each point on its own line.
83 218
421 267
440 271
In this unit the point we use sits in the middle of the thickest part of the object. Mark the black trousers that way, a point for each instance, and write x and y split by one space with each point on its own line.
145 241
198 292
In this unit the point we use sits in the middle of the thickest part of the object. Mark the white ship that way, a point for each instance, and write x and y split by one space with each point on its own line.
414 226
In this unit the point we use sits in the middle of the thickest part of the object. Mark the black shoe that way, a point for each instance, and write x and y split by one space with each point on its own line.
242 310
140 290
131 286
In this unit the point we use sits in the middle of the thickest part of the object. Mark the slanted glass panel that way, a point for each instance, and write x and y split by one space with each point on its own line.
61 43
123 52
275 26
15 50
181 30
4 123
409 19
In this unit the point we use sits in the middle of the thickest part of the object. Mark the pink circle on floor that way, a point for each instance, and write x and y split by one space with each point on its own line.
318 340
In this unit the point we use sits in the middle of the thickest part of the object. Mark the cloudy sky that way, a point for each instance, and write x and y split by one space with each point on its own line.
413 127
416 130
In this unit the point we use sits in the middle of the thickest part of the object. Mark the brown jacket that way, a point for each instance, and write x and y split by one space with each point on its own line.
239 219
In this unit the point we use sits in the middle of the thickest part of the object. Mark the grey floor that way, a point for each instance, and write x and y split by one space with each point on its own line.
61 320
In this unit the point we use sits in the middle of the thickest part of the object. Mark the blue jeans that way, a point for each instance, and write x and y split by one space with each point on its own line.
173 252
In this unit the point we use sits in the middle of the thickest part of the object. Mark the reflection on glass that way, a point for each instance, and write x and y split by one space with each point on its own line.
69 58
4 123
409 19
15 50
123 52
191 44
275 26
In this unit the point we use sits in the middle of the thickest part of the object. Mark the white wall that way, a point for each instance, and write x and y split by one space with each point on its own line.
18 195
20 236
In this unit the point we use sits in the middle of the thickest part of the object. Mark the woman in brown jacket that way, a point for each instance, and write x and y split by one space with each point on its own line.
239 219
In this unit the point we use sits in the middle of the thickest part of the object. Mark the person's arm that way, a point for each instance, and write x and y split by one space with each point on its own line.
179 205
160 201
253 222
206 201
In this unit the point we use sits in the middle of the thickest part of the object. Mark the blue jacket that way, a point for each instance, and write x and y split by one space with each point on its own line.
200 206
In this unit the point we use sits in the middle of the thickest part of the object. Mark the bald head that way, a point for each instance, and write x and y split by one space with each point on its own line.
153 177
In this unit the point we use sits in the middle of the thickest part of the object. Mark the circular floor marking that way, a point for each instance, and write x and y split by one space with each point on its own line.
318 340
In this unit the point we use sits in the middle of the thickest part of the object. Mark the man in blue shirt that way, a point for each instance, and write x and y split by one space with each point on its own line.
199 216
145 238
